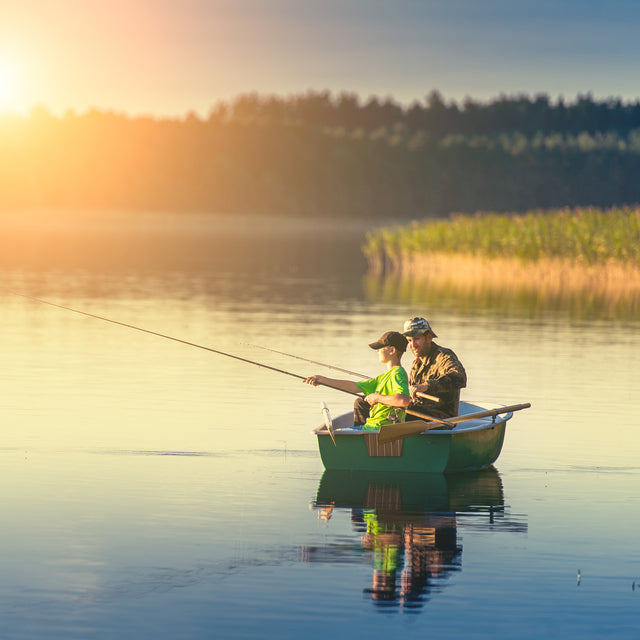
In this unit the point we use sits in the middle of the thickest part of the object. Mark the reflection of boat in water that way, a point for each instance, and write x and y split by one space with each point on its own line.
472 444
408 526
410 492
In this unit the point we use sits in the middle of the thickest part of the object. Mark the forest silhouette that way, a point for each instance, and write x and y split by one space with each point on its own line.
316 154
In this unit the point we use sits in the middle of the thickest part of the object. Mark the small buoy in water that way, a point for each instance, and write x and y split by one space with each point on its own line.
579 576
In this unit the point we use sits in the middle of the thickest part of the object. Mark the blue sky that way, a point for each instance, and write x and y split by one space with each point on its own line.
167 57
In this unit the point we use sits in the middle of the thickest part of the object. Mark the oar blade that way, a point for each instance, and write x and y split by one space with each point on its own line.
399 430
488 413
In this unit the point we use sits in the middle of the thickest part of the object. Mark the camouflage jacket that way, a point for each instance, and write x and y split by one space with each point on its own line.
444 376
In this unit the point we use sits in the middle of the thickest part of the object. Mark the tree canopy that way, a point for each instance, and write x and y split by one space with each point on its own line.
319 154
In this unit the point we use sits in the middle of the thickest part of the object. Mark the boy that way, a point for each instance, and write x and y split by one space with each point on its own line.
372 411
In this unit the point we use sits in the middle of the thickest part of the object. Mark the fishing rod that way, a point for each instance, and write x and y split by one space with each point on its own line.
361 375
156 333
329 366
200 346
320 364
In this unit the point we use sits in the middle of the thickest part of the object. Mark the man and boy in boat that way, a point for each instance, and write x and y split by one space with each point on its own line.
431 388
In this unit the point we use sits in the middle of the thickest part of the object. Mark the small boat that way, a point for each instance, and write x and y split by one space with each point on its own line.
474 442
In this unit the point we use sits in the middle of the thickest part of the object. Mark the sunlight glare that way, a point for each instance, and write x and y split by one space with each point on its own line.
8 85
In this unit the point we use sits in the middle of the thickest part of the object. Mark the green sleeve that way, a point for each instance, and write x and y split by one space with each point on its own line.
368 386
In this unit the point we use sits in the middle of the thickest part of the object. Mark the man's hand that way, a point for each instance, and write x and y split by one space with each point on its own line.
414 388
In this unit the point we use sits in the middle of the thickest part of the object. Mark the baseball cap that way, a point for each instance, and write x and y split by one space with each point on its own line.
391 339
416 326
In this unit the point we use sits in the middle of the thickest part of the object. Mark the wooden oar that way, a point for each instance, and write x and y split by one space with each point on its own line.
391 432
423 416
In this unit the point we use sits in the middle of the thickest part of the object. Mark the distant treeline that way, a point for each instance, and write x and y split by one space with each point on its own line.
507 114
318 154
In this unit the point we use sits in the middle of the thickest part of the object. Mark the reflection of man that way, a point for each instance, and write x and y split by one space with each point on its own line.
430 548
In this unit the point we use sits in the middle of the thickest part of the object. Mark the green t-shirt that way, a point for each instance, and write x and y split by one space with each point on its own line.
388 383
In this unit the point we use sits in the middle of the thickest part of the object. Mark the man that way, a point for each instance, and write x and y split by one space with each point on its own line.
436 371
375 408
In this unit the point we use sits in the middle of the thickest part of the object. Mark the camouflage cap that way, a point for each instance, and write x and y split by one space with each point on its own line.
417 326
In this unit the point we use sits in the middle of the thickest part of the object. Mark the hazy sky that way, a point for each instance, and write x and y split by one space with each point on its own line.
166 57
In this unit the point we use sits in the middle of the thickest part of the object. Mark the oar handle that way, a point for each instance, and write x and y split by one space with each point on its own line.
427 396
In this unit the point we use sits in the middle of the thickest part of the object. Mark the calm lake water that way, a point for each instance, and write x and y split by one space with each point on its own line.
150 489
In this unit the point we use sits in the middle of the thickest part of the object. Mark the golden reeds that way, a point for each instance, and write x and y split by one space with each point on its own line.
555 254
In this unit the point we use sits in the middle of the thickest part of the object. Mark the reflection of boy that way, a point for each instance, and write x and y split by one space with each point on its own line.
386 544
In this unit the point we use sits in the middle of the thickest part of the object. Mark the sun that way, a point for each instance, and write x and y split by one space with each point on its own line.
9 82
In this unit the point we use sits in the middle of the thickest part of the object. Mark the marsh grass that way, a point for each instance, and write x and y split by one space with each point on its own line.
585 252
586 236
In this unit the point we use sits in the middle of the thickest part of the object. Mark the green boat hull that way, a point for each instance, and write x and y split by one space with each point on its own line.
465 448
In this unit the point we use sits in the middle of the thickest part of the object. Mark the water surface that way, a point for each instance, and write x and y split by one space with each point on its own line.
153 489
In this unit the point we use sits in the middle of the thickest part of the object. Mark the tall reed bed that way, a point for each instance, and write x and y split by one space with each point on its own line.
584 236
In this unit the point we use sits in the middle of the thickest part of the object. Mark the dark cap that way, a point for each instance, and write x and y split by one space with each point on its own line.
417 326
391 339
